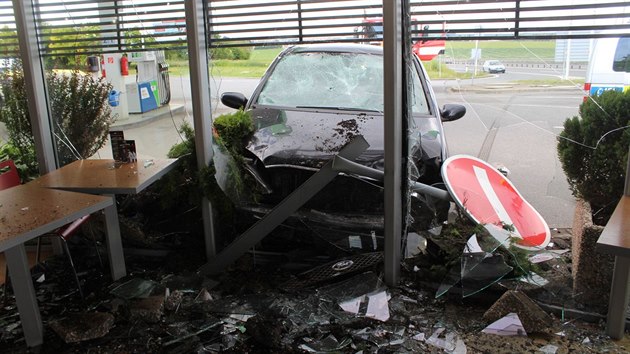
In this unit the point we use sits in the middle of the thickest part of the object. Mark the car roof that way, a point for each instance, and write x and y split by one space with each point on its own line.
336 47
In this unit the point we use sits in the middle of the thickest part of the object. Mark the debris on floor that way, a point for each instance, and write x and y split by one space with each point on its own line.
532 317
83 326
338 306
509 325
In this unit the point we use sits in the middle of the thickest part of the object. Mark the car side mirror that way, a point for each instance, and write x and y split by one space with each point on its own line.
451 112
234 100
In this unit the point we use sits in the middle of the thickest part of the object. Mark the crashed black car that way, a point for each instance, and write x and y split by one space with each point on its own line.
314 99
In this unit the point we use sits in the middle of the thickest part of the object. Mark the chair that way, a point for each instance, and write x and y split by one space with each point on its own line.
10 178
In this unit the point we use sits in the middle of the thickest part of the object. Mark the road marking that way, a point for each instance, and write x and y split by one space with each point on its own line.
541 105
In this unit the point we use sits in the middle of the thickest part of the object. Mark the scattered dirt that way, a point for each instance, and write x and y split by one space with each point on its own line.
345 131
247 310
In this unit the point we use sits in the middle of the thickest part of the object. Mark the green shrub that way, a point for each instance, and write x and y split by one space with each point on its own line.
14 115
233 129
231 53
240 52
593 148
80 116
222 53
181 189
25 163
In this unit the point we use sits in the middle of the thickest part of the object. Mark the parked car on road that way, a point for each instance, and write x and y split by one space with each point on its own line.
311 101
493 66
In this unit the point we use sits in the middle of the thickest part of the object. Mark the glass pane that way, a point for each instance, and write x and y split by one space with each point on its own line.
329 79
622 56
17 142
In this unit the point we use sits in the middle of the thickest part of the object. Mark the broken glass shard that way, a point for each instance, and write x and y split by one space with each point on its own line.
378 307
228 174
451 343
134 288
509 325
549 349
476 272
447 343
534 279
328 344
374 306
472 246
541 257
352 288
416 244
419 337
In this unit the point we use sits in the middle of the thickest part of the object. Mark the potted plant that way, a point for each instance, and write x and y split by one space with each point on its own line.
593 150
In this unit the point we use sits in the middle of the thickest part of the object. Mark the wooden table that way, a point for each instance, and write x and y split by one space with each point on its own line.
26 212
108 178
615 240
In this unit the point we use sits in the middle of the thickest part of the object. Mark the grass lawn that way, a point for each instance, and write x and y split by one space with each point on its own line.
552 82
260 59
254 67
437 71
529 50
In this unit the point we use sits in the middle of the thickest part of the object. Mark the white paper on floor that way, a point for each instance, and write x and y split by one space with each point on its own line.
509 325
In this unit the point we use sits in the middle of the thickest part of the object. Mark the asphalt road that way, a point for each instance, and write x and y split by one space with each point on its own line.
508 125
518 129
534 72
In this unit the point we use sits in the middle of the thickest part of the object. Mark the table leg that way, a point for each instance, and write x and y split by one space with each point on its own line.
618 303
114 242
25 298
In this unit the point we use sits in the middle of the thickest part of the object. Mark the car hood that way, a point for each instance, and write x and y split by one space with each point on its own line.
310 138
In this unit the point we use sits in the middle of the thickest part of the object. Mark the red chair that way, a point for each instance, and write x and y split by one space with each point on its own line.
9 177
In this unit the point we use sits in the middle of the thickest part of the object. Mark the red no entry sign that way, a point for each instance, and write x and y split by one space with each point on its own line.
487 197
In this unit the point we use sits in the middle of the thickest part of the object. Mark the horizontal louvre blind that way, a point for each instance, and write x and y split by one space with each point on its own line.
233 22
236 22
524 19
69 27
8 36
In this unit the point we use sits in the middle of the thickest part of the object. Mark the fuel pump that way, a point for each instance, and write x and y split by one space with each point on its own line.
152 88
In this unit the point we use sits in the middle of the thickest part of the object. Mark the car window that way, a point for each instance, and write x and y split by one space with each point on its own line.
329 79
418 99
622 55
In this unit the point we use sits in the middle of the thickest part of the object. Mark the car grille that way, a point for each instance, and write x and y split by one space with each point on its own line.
343 195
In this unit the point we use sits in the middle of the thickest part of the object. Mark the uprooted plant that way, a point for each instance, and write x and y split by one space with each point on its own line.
231 132
179 190
446 250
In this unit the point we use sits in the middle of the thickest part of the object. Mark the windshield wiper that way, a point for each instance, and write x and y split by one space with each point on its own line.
340 108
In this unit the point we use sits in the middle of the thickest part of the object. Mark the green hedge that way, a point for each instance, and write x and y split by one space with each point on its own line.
593 148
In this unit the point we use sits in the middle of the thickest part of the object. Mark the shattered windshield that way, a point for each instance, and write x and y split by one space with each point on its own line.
332 80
